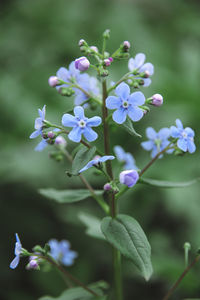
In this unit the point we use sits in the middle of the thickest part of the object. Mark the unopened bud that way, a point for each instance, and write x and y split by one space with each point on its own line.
81 42
33 264
82 63
51 134
157 100
126 46
106 34
66 91
146 74
60 141
128 177
107 187
53 81
107 62
110 59
94 48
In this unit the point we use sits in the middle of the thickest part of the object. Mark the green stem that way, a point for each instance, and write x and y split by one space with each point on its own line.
170 292
113 204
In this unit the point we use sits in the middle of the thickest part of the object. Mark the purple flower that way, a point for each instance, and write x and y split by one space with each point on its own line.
33 263
107 187
96 161
82 63
125 157
138 64
61 252
185 137
129 177
157 141
81 125
18 248
39 123
126 104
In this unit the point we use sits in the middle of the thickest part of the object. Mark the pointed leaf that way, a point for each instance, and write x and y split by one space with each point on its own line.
128 126
78 293
67 196
82 157
93 225
168 184
125 233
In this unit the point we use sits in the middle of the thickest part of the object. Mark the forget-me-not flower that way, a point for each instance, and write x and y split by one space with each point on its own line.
157 141
129 177
126 104
18 248
185 137
61 252
96 161
81 125
39 123
138 64
126 158
88 84
71 75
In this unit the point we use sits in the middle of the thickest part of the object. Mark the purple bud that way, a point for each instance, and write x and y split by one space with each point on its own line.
94 48
33 264
110 59
81 42
129 177
82 63
107 62
53 81
51 134
60 141
157 100
107 187
126 45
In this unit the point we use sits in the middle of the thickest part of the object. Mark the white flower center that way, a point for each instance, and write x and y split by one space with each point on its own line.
125 104
184 134
82 123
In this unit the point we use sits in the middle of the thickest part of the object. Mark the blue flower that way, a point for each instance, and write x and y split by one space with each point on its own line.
61 252
39 123
18 248
70 75
126 104
126 158
81 125
138 64
129 177
185 137
157 141
96 161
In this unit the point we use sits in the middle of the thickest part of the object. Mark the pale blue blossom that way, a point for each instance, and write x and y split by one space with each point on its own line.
96 161
126 158
18 248
61 252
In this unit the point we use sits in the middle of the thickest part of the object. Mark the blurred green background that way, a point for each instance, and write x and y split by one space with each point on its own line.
36 38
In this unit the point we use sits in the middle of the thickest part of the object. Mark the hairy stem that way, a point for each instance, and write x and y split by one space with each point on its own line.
170 292
113 204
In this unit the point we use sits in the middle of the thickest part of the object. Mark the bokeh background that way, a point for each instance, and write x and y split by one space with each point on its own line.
36 38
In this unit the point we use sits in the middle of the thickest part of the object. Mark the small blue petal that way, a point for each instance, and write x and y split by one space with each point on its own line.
62 73
182 144
179 124
191 146
113 102
131 64
94 121
79 112
164 133
135 113
139 60
38 123
148 145
147 82
105 158
35 134
120 153
151 133
43 144
123 91
75 134
69 120
119 116
189 131
15 262
136 98
147 67
175 132
89 134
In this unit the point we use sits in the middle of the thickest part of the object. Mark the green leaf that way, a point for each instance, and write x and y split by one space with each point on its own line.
93 225
67 196
167 184
128 126
82 157
78 293
125 233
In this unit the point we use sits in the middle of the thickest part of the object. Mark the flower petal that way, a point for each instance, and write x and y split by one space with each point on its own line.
191 146
119 116
79 112
148 145
123 91
62 73
69 120
120 153
113 102
155 152
164 133
182 144
14 263
147 67
151 133
105 158
175 132
147 82
131 64
75 134
139 60
90 134
137 98
94 121
35 134
135 113
43 144
179 124
38 123
189 131
89 165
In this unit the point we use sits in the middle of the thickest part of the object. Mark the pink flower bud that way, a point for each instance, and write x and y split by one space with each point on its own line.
51 134
126 45
110 59
82 63
107 62
129 177
53 81
107 187
33 264
146 74
157 100
81 42
60 141
94 48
